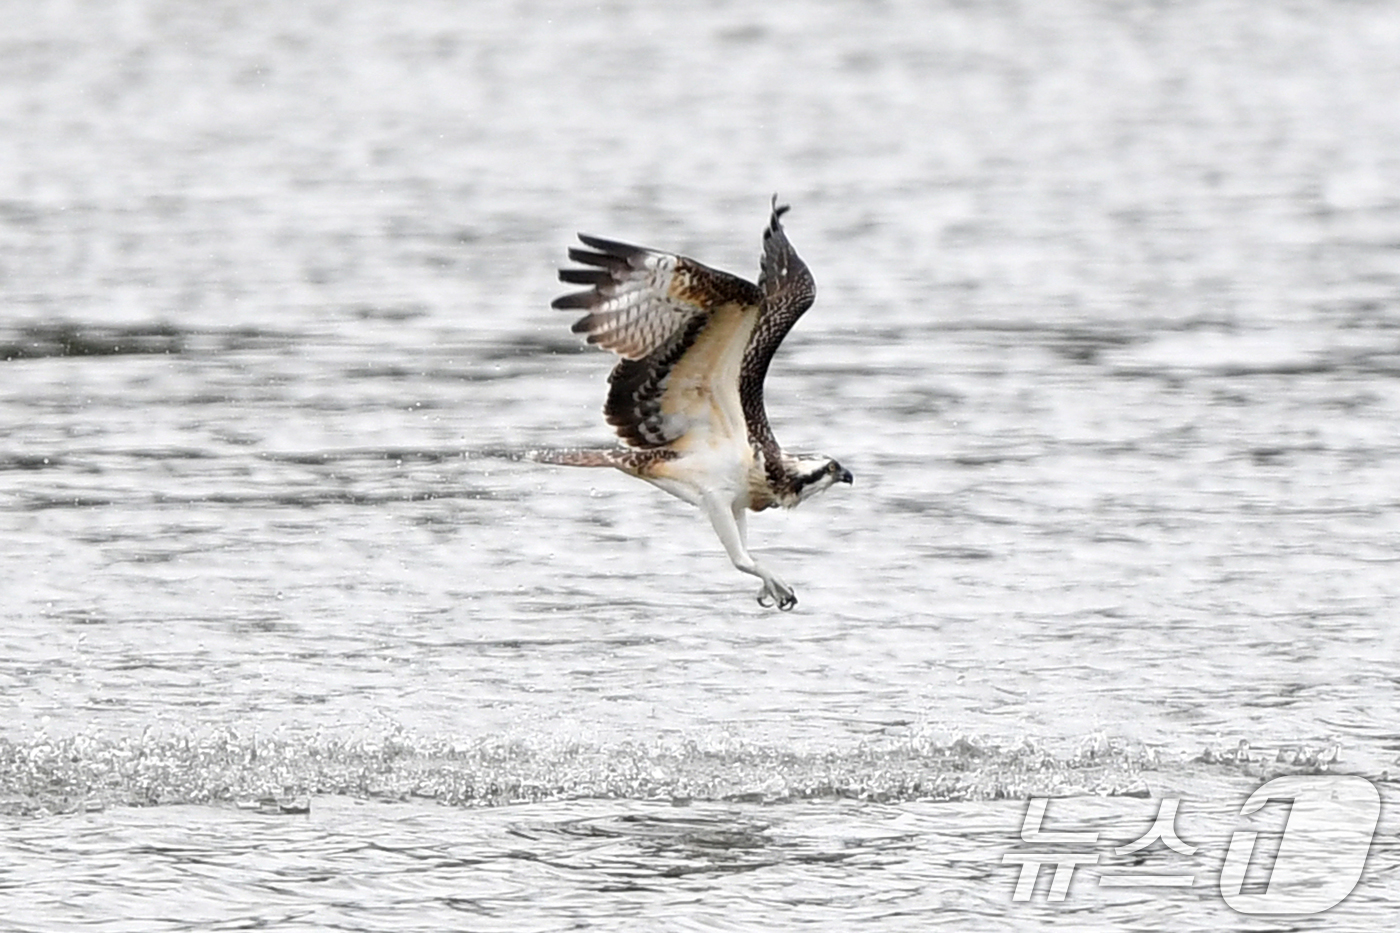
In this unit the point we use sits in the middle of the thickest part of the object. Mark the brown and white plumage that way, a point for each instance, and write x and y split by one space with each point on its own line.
687 396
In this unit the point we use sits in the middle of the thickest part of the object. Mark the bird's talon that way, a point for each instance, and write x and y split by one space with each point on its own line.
778 595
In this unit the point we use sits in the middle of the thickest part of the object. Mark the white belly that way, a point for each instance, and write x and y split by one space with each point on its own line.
719 468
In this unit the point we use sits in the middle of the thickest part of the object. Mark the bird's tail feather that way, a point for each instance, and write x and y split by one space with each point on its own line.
577 456
631 460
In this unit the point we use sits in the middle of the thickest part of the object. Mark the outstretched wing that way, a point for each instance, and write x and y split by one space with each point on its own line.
652 309
788 290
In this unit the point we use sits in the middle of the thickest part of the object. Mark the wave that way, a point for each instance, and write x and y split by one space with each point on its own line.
50 775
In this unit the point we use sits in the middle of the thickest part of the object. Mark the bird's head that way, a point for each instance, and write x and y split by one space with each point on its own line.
811 475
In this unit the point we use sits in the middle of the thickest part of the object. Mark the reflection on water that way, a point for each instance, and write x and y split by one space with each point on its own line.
372 864
1106 329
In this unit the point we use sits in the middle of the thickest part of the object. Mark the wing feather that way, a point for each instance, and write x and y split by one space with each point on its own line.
585 277
650 308
787 290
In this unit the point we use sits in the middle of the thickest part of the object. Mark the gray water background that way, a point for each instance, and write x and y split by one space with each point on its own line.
1108 330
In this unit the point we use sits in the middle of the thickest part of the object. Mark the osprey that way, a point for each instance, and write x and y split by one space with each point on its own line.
687 396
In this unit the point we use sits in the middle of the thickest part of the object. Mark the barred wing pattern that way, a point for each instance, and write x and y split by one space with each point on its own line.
787 290
650 308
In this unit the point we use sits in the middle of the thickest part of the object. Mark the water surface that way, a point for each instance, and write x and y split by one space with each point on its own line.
1107 330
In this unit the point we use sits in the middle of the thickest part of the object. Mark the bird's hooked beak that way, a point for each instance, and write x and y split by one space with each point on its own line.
845 477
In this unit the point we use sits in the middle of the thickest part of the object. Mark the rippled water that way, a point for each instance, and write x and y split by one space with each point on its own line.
1108 330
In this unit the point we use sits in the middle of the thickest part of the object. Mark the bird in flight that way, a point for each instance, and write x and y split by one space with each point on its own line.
687 396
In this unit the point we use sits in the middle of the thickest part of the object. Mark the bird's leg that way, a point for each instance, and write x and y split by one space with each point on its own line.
773 588
731 526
